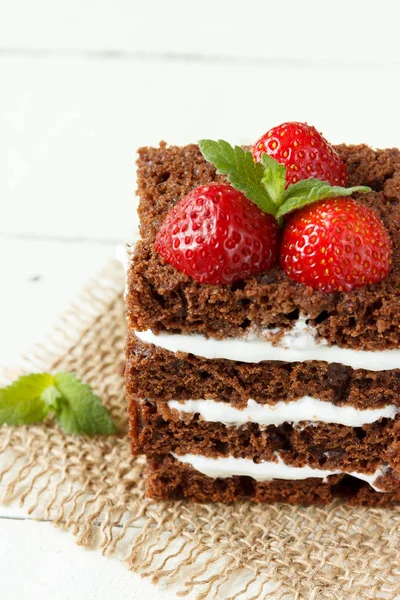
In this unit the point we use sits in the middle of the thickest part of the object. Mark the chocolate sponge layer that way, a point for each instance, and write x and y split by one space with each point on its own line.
153 372
161 297
169 479
155 431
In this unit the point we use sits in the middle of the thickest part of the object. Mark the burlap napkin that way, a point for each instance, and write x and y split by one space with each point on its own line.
94 488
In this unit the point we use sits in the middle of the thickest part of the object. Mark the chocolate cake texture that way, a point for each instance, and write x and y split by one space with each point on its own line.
326 445
167 478
156 373
161 298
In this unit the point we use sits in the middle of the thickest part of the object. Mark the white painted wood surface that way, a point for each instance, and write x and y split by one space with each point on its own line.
41 562
82 85
73 125
38 279
358 31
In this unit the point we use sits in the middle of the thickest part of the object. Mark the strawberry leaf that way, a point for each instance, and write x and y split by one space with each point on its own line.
274 178
241 171
308 191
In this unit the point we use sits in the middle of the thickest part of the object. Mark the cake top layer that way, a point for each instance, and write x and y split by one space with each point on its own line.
160 297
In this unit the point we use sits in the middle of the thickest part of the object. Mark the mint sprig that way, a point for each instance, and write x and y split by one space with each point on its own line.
31 398
310 190
264 183
274 177
240 170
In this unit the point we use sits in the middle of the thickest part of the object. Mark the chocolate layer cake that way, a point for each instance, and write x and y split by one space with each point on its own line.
263 389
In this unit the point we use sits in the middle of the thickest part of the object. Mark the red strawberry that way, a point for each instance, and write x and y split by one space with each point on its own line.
304 152
217 235
335 245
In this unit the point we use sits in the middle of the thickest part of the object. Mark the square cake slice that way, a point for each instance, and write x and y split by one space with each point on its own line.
263 388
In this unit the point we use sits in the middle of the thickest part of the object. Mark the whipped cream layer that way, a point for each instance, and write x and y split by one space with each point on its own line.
297 345
267 470
304 409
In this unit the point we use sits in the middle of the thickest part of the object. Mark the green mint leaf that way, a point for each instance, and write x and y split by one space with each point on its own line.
27 399
265 182
241 171
308 191
31 397
274 178
79 410
51 396
67 419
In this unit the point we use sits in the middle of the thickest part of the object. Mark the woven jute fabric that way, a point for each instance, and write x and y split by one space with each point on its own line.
94 488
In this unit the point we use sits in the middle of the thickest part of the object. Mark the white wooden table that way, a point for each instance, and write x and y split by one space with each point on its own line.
82 85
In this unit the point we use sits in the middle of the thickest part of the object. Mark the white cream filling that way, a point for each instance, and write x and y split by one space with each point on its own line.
304 409
297 345
267 470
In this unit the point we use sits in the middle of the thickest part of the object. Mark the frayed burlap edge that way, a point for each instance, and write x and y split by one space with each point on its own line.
94 488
